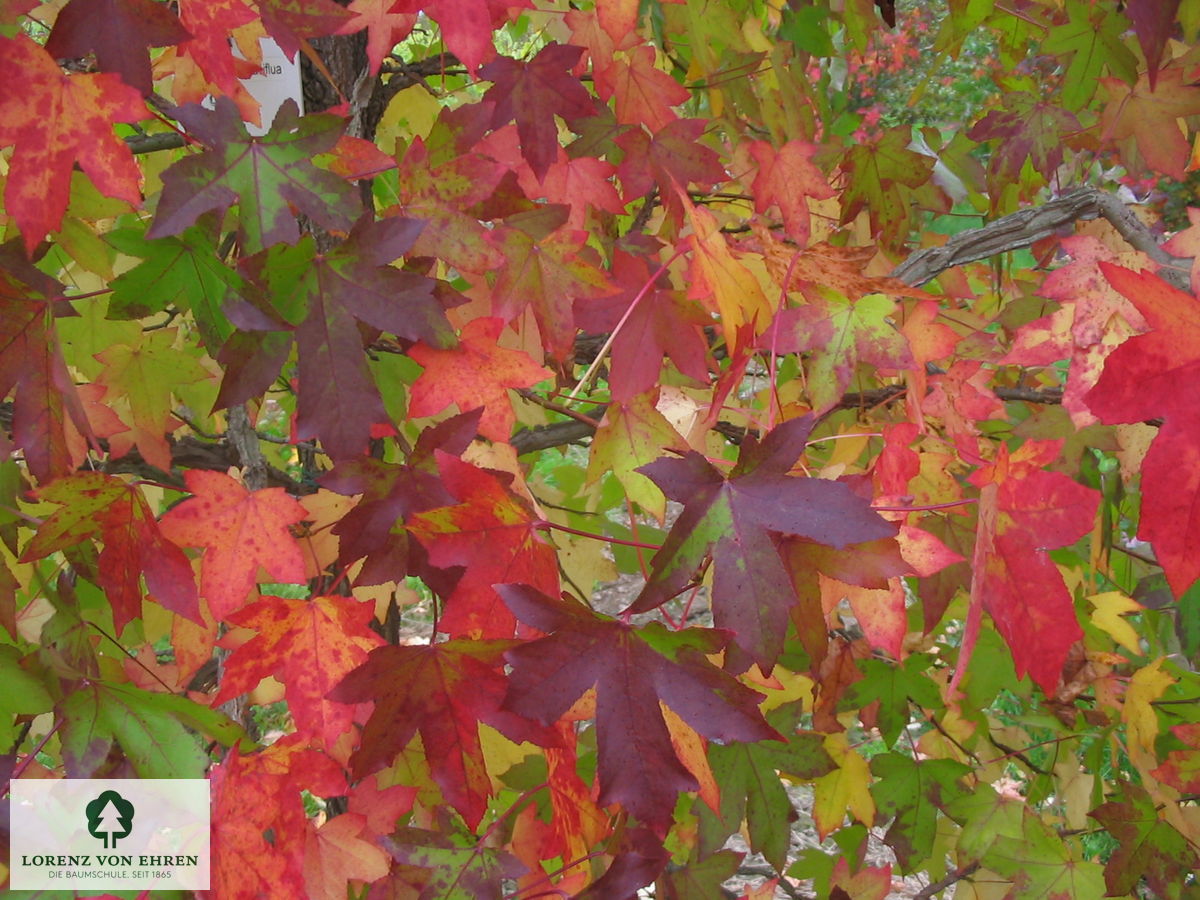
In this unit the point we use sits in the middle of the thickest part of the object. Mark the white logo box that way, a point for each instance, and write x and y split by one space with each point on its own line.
88 834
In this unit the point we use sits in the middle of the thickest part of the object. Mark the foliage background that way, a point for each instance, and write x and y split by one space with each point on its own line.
856 341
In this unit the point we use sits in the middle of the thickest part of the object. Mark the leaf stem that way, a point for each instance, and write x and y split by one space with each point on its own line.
930 507
545 525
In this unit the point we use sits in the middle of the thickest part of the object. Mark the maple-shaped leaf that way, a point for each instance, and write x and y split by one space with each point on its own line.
734 516
240 531
391 494
703 879
633 670
642 93
467 25
913 791
751 790
292 22
309 645
47 402
145 373
896 687
159 733
1151 117
884 177
1040 864
786 178
1025 511
655 322
632 435
98 505
1025 128
532 93
206 61
496 536
1153 23
1147 846
442 692
549 273
1141 380
1091 42
673 159
260 828
119 32
342 850
184 271
727 286
478 372
458 867
321 296
57 120
268 177
387 23
439 193
1093 320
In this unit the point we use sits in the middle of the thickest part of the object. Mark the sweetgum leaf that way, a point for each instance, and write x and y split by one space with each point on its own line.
459 870
734 517
1141 379
913 791
56 121
265 176
119 32
442 692
632 670
1147 847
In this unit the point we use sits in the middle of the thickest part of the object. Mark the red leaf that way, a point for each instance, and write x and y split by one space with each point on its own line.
240 531
97 505
1018 584
442 692
119 32
386 26
632 670
734 517
291 22
309 645
476 373
495 534
532 94
467 25
644 94
787 178
1142 379
57 120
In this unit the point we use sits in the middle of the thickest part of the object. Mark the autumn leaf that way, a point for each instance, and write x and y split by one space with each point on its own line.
145 373
456 868
1018 584
321 296
733 517
532 94
786 178
309 645
340 851
467 25
475 373
292 22
883 177
57 120
642 93
1150 116
441 692
1141 380
1090 44
586 650
1146 846
495 535
912 792
97 505
265 176
240 530
391 494
119 32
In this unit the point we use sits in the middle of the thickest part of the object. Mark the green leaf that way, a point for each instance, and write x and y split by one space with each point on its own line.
1146 846
1092 38
913 791
459 868
750 787
893 686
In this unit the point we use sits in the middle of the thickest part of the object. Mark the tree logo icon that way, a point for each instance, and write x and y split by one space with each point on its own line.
109 817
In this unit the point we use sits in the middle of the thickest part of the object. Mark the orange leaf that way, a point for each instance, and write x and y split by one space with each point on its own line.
478 372
337 853
240 531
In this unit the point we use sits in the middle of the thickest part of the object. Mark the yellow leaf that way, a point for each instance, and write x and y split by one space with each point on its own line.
1111 606
1141 721
718 277
845 789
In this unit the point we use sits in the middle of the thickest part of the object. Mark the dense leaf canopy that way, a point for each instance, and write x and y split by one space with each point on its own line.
569 447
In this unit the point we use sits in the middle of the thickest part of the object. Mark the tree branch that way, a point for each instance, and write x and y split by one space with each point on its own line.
1025 227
